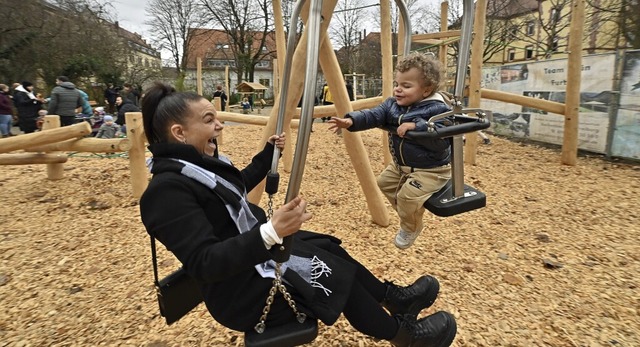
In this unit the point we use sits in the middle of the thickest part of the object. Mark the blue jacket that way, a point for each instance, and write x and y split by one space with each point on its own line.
424 154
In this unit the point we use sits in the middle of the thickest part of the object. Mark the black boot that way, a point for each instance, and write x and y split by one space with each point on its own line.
411 299
436 330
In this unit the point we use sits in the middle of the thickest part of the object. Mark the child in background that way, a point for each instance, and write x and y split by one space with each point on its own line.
40 119
419 168
246 106
108 129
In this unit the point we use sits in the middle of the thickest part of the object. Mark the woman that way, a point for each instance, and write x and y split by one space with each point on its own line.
6 112
28 106
196 206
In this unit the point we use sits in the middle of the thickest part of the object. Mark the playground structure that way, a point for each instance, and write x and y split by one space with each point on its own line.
45 146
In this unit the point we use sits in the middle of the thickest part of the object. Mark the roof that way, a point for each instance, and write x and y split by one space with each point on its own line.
250 86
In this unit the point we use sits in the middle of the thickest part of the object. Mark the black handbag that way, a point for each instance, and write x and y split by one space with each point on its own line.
178 293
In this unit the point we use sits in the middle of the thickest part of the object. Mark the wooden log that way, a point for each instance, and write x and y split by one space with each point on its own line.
31 158
48 135
574 73
137 160
55 171
294 92
386 45
353 141
91 145
475 76
545 105
438 35
249 119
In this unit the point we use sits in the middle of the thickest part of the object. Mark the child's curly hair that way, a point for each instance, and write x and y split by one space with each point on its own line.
430 67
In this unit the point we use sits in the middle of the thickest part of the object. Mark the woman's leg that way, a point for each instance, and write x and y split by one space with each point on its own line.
365 314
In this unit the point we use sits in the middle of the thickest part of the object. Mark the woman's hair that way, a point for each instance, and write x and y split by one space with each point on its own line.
430 67
162 106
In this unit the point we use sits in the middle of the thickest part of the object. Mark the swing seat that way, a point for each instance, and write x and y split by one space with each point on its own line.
287 335
444 204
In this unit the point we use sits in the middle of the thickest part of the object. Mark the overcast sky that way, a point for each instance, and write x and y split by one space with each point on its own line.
131 14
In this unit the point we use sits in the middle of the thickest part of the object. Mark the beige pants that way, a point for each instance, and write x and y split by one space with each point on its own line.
408 189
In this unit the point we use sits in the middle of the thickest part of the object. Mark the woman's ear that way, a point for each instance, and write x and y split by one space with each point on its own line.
177 132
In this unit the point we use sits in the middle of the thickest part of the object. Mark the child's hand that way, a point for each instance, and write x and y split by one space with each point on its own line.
339 123
278 140
404 127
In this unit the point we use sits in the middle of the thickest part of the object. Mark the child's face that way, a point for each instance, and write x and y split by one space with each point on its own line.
409 87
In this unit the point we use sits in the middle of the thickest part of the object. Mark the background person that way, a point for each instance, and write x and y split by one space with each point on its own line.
6 111
64 101
27 105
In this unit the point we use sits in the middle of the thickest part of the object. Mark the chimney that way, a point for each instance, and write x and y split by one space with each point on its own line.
117 25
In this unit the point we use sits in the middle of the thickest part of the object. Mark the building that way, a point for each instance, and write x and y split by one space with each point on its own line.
217 54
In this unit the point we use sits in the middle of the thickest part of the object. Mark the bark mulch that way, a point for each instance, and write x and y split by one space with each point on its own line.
553 260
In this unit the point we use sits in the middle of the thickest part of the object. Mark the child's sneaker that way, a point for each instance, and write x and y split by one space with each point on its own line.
405 239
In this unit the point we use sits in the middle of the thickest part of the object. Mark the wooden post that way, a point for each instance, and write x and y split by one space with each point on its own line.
444 26
199 75
574 72
137 160
352 141
281 50
55 171
386 45
217 104
226 83
475 76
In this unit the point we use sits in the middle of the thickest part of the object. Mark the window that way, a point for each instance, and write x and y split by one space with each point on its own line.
220 63
265 82
222 46
262 63
528 52
511 55
531 28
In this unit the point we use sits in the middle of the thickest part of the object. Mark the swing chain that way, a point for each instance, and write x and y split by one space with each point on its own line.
278 285
270 207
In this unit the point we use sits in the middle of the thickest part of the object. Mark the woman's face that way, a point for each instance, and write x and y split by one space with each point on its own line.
202 127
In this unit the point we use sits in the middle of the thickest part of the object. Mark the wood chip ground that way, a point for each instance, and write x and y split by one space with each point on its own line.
553 260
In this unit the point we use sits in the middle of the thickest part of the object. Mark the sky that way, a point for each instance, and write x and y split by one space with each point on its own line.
131 15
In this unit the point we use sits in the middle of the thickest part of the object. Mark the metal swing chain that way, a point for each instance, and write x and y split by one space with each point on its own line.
277 286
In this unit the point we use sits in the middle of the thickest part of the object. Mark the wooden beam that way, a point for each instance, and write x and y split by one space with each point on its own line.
31 158
438 35
545 105
91 145
45 136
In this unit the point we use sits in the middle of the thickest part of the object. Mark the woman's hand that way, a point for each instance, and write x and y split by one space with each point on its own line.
339 123
278 140
288 219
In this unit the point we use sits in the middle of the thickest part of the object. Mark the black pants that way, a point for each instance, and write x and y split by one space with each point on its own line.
363 309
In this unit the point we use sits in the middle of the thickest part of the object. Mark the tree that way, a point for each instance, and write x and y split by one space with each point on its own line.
615 21
248 26
345 33
170 24
41 39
